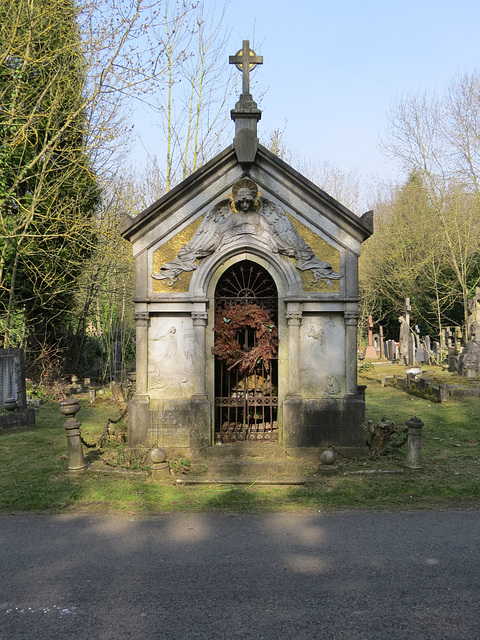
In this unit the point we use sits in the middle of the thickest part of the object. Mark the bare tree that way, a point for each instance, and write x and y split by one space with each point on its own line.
193 108
438 136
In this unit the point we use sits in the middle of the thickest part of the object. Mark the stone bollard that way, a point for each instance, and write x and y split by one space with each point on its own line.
92 394
327 460
414 443
160 466
69 408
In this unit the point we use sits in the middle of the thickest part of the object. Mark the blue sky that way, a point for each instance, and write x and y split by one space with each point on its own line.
332 70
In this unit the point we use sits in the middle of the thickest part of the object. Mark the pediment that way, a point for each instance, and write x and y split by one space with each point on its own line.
275 178
292 217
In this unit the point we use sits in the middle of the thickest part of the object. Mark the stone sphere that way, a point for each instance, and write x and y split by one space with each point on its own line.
158 455
328 457
10 404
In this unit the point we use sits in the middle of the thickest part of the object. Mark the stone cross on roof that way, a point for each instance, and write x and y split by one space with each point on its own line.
238 60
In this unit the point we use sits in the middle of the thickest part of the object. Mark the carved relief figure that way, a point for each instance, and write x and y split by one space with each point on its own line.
316 335
170 363
251 215
333 386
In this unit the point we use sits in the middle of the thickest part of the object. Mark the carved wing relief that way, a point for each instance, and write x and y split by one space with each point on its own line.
254 216
206 240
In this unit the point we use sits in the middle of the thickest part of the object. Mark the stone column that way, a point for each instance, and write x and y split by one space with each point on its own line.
294 321
199 358
141 326
351 321
139 406
293 430
414 443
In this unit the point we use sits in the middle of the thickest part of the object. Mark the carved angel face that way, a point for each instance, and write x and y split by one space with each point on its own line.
244 200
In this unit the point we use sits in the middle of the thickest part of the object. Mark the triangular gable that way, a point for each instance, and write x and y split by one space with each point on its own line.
214 181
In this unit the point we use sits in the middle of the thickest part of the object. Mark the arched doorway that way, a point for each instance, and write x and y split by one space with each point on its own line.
246 362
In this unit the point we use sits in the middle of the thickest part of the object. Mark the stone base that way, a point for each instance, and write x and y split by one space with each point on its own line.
312 454
18 420
139 421
319 422
173 425
258 463
183 427
370 353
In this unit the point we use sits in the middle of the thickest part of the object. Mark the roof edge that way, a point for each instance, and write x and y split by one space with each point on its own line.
364 223
131 224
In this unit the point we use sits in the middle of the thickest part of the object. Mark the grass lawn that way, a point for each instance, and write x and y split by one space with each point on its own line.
34 475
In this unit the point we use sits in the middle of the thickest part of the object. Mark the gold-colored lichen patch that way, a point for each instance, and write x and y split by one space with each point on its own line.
168 252
324 251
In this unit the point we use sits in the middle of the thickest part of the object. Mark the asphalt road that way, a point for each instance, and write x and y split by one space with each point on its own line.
345 576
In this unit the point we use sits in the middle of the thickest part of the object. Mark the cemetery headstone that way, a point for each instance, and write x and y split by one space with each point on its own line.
381 343
370 352
469 359
473 312
14 413
404 340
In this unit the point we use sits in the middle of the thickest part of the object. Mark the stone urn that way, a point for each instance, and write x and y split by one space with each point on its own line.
69 408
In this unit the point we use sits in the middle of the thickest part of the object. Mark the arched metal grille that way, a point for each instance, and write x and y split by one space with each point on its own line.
247 282
246 404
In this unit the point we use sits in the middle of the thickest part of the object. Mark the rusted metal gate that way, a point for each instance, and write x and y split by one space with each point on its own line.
246 402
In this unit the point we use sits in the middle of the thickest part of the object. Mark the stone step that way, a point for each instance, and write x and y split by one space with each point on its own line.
246 450
253 470
247 481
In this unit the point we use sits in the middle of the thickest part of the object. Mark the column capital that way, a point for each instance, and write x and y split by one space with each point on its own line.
351 317
141 317
199 318
294 318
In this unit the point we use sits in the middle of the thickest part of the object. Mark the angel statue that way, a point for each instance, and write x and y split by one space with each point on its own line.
247 215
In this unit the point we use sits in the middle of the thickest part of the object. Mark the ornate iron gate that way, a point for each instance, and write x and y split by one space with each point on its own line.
246 365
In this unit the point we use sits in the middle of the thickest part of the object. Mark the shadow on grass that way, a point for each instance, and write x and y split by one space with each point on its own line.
34 472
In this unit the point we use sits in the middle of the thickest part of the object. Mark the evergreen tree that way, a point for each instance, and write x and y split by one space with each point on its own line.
48 191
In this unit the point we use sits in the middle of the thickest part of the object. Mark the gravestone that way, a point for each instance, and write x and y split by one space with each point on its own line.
246 305
421 356
469 359
14 414
406 341
473 312
370 353
381 342
391 350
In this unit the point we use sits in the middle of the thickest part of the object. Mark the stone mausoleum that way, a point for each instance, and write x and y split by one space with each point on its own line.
246 306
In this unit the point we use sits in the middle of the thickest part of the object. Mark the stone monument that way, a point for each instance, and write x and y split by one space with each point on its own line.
469 359
14 413
246 305
473 313
370 353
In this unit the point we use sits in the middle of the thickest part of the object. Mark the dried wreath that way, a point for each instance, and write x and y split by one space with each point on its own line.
228 325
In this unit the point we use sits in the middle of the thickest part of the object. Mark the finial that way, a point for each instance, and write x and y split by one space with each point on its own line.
238 60
246 115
